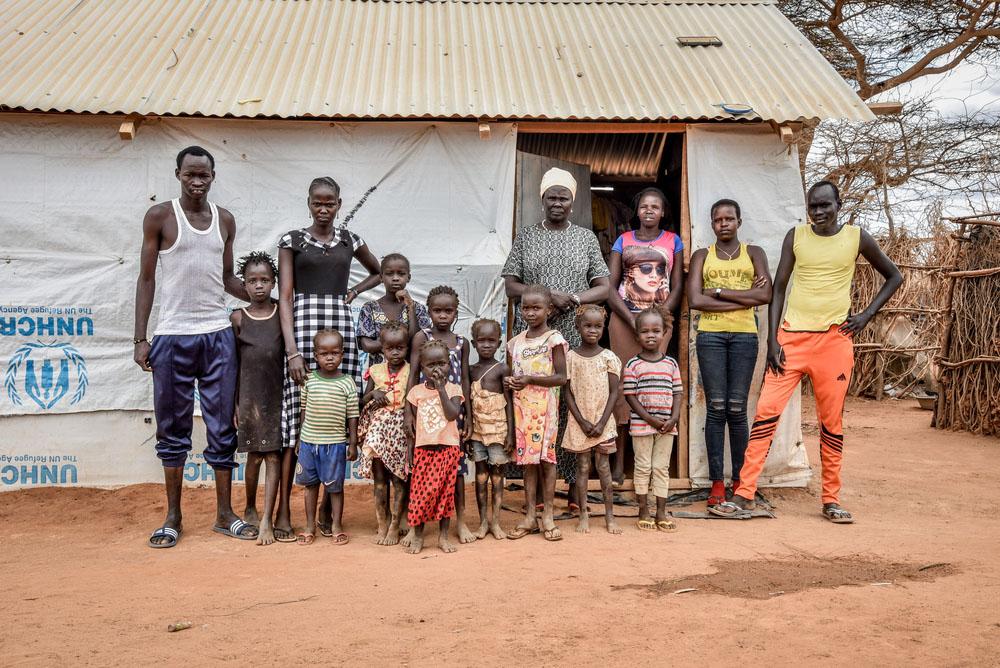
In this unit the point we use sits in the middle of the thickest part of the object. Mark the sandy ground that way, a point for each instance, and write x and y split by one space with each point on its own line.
80 587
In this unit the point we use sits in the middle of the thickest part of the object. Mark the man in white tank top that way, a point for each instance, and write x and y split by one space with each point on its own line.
192 240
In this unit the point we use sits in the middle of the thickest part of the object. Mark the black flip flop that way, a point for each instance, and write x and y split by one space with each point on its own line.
168 532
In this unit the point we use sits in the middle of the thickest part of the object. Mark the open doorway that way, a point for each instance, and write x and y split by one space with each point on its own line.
618 162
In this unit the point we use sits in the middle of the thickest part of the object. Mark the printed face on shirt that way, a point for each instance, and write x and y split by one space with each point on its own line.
394 346
443 310
329 351
486 340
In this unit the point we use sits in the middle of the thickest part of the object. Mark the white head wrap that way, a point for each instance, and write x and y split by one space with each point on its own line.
558 177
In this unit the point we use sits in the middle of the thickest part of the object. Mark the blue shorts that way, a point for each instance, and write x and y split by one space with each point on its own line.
325 464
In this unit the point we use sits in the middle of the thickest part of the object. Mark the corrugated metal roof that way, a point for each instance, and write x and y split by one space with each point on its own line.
630 156
352 59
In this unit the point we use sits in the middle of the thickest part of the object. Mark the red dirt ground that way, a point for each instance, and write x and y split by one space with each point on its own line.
80 587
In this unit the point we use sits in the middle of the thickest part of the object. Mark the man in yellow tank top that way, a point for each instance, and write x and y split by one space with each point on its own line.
814 339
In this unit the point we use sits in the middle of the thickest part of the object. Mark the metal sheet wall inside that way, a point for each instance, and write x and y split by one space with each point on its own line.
352 59
627 156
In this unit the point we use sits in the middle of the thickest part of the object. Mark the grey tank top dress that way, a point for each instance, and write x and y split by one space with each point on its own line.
262 359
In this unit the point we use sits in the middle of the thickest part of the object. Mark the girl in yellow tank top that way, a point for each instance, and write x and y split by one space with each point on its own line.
726 283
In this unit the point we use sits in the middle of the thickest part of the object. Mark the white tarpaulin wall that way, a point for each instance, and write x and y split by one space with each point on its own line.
754 167
72 198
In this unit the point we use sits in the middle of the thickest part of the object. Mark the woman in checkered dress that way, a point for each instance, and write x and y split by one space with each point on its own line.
314 268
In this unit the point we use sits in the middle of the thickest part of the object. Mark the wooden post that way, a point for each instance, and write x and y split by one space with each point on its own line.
949 321
684 332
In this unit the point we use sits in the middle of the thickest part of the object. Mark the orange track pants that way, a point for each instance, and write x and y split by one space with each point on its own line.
828 359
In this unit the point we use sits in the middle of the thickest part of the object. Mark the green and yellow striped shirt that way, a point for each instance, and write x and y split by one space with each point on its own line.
329 404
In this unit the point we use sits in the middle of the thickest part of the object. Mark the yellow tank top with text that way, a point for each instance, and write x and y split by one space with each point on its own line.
735 274
821 282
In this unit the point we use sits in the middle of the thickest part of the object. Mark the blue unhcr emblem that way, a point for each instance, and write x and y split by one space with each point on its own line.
46 381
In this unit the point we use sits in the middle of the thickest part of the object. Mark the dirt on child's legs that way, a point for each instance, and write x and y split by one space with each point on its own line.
443 542
381 491
336 512
397 511
173 478
415 539
482 497
580 490
410 532
549 475
311 498
496 479
464 535
618 472
325 518
283 515
604 473
643 500
272 462
531 477
251 473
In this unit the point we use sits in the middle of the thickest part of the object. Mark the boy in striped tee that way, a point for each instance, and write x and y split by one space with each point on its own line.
329 434
653 389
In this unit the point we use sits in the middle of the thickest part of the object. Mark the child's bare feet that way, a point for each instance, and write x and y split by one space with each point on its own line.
584 525
391 535
266 535
380 534
497 531
446 545
414 542
250 516
464 535
613 527
407 540
484 528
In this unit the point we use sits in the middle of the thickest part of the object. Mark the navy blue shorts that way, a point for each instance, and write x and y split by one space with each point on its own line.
325 463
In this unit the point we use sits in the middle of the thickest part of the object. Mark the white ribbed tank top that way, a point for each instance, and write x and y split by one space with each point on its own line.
191 292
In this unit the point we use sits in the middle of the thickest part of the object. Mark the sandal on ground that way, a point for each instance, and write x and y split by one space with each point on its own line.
325 530
716 499
238 529
552 535
666 525
341 539
520 532
837 515
305 538
730 510
646 525
284 536
172 535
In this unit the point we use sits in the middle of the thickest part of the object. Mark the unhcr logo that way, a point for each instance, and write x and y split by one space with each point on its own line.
46 377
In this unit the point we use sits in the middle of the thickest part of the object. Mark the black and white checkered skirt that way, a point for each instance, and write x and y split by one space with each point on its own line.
310 314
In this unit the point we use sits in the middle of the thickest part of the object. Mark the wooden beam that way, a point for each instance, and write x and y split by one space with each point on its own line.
566 127
885 108
683 331
128 128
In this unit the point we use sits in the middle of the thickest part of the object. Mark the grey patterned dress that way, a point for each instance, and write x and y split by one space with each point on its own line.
566 260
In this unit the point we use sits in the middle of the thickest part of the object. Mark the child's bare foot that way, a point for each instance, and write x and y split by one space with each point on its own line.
464 535
407 540
391 535
380 533
613 527
250 516
484 528
266 535
445 545
584 525
497 531
414 542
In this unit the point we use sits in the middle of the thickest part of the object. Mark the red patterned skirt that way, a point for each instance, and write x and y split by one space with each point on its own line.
432 483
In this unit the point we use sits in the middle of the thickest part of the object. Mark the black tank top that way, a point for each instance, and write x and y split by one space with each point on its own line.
322 269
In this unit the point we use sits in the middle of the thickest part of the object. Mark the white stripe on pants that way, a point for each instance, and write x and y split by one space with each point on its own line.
652 464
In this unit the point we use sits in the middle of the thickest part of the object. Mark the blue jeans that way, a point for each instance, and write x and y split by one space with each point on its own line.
726 361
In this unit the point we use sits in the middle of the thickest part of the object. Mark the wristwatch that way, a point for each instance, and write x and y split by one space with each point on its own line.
576 299
718 292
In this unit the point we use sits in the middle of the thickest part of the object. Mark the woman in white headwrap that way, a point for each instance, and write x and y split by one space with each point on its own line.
565 258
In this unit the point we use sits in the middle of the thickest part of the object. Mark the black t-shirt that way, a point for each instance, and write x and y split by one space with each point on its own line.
321 269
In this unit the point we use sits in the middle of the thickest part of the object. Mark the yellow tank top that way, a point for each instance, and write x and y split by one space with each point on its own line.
735 274
821 282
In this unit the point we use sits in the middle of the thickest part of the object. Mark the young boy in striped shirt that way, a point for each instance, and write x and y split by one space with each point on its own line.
328 438
653 390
